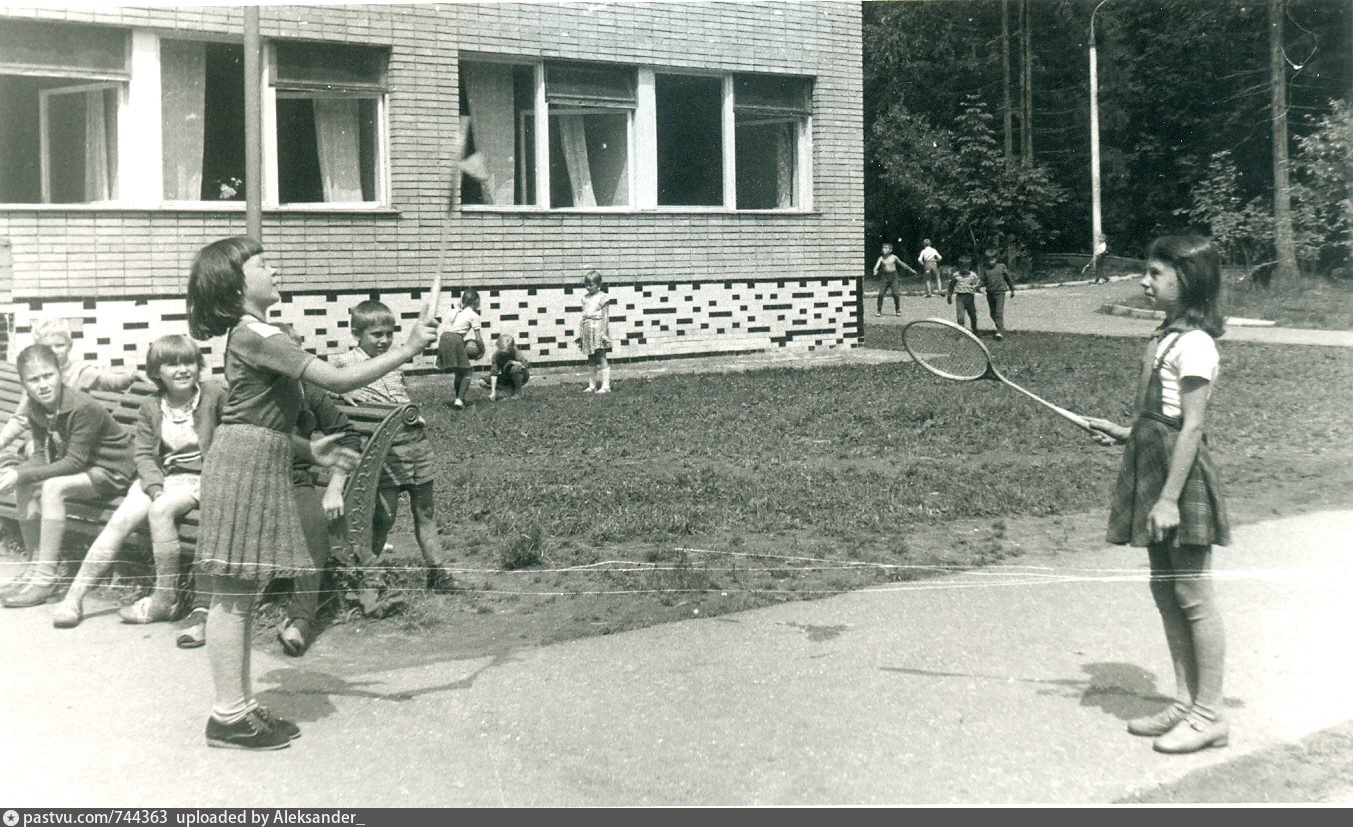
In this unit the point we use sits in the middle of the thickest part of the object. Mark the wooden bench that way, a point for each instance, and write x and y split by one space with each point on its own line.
349 536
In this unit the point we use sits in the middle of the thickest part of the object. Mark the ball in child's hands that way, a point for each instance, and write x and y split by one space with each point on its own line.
474 349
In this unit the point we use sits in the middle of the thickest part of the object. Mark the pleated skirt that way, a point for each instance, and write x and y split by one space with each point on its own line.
248 523
1141 476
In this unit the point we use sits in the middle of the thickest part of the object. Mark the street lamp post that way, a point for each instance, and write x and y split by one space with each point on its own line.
1096 221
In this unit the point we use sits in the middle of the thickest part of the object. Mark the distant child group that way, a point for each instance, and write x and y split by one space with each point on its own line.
993 278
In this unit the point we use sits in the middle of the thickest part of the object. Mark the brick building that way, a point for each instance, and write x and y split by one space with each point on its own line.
705 157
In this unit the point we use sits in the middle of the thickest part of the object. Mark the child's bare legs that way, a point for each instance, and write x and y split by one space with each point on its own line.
44 505
129 514
387 506
463 377
421 502
297 630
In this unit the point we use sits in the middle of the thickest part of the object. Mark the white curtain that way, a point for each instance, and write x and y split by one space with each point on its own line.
97 185
183 85
489 91
784 164
336 124
573 138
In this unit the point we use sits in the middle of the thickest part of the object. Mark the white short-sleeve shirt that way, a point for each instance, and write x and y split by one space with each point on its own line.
1194 355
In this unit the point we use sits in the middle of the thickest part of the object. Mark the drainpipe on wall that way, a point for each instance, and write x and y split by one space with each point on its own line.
253 120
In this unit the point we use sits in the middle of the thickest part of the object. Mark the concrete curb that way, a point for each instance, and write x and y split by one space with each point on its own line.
1141 313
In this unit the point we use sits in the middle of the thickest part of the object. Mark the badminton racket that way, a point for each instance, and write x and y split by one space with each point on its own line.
951 352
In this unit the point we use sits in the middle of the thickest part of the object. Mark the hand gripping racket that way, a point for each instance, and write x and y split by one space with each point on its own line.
951 352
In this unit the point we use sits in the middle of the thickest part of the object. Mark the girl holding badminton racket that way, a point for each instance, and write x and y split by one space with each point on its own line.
1168 495
249 529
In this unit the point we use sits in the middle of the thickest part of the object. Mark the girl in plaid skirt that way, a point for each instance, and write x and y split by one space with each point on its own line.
249 528
1168 496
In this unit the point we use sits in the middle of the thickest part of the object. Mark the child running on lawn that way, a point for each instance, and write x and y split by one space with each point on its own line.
249 528
1168 495
408 466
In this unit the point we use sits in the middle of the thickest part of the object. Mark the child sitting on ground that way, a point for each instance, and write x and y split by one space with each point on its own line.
508 370
173 432
79 451
408 466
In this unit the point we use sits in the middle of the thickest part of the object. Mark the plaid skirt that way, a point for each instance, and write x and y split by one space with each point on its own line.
1141 476
248 523
593 336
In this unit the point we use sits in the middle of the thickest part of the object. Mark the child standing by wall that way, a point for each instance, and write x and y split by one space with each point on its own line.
408 466
889 263
1168 494
594 332
80 451
965 283
508 370
929 260
460 342
249 528
996 280
173 433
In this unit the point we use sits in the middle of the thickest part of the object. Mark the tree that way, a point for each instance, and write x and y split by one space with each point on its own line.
1284 238
975 197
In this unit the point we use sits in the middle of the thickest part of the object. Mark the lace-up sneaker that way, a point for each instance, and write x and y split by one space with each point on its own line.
282 725
251 731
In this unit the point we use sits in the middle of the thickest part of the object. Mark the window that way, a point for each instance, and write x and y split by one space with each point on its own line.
590 108
632 138
771 114
328 115
62 89
202 120
690 140
497 107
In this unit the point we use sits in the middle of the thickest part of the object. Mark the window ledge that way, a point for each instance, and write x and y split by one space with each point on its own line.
477 209
231 207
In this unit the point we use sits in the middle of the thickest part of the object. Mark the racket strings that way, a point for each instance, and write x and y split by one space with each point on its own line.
947 351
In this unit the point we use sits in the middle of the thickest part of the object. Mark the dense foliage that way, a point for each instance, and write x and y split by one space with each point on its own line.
1184 98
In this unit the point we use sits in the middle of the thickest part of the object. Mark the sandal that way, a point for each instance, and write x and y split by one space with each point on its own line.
194 634
140 612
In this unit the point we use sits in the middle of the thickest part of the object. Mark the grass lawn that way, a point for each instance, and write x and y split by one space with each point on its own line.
565 514
1325 304
569 515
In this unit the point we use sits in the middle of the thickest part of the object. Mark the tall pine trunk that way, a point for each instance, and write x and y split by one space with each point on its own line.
1284 238
1006 115
1026 121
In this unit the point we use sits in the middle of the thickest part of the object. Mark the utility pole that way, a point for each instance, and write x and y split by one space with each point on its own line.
1026 124
1005 80
1096 219
253 130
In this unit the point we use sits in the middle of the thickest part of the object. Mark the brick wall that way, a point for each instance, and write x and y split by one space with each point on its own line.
143 255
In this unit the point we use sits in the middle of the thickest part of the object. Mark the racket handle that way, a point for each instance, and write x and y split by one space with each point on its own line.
1074 418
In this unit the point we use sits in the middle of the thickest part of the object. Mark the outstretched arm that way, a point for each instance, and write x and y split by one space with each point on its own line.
350 377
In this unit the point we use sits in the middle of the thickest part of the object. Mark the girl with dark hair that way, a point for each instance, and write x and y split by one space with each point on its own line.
249 527
1168 495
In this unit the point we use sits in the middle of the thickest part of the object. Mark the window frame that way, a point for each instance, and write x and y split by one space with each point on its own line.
271 93
642 136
